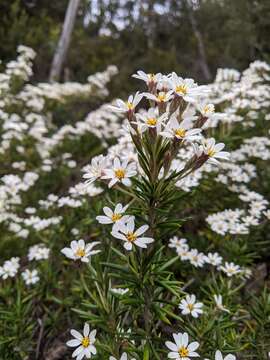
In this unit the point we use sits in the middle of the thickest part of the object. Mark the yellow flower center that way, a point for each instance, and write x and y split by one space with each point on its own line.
131 236
119 173
80 252
151 121
211 152
190 306
129 105
151 77
180 132
161 97
85 342
208 109
181 89
116 217
183 352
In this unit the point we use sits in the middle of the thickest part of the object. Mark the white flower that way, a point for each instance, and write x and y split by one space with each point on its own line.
177 243
129 105
218 356
230 269
213 150
181 349
113 217
186 88
38 252
183 252
218 301
95 170
84 343
196 259
180 131
10 268
121 172
206 109
213 258
189 306
80 251
123 357
30 277
161 97
119 291
130 237
148 78
151 119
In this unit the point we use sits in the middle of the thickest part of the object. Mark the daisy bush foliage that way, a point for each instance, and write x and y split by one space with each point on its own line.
134 229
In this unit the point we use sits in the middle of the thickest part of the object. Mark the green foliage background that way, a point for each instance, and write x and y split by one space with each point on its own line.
234 34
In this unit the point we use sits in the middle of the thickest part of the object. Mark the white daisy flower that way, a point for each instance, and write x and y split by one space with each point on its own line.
113 216
181 349
230 269
206 109
123 357
119 291
180 131
30 277
190 306
121 172
196 259
213 258
84 343
213 151
80 251
130 237
148 78
177 243
187 88
129 105
219 303
151 119
161 97
95 170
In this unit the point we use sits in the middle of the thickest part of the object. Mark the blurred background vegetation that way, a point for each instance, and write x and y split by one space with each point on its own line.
191 37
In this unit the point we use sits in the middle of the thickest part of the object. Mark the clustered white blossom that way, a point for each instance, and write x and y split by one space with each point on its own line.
240 96
199 259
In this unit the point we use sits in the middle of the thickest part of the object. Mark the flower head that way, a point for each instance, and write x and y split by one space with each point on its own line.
129 105
190 306
181 349
213 150
186 88
180 131
30 277
120 172
95 170
151 119
230 269
84 343
148 78
80 251
127 233
219 303
113 216
161 97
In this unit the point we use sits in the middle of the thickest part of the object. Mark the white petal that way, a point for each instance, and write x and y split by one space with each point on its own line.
141 230
86 330
73 342
76 334
170 345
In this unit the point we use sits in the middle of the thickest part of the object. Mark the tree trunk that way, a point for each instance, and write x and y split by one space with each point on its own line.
64 41
201 49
